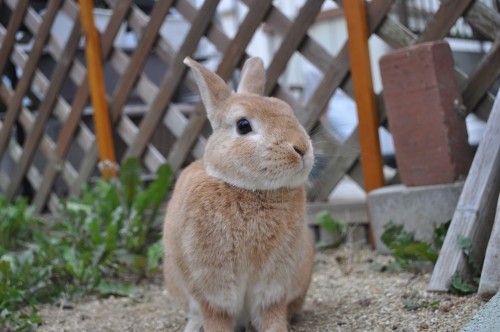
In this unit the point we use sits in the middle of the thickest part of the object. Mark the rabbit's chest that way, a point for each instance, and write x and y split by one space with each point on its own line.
255 239
243 231
245 228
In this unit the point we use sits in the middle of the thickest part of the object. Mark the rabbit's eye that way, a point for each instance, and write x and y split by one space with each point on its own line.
243 126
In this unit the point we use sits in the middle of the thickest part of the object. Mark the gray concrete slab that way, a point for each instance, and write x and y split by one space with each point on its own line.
487 319
420 209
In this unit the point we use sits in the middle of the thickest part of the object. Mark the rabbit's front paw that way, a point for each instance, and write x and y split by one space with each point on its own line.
272 318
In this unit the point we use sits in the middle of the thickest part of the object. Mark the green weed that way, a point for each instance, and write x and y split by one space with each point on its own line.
408 253
336 228
110 233
461 284
411 304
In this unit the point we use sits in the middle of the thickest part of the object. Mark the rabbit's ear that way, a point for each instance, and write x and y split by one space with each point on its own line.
253 77
213 90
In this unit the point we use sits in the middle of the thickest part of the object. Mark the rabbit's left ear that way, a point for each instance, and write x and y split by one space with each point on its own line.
213 90
253 77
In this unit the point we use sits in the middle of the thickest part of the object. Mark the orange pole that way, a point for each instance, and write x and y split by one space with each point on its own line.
359 55
101 117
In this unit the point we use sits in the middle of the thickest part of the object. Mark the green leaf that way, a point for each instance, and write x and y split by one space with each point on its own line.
94 228
391 233
439 234
77 207
397 266
112 234
411 304
467 247
330 224
115 288
465 244
407 251
130 178
155 254
133 262
99 254
461 286
414 305
155 193
416 251
326 222
337 229
435 304
72 264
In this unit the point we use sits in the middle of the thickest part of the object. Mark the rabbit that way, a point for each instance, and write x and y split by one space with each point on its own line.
237 249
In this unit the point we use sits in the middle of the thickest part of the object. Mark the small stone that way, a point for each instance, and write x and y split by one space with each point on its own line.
365 302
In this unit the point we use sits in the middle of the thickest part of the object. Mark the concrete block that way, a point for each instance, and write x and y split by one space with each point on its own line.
421 98
420 209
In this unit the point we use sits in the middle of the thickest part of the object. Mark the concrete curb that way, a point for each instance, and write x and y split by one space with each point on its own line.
487 319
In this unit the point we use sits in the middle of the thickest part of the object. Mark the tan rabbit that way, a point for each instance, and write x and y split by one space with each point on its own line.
238 252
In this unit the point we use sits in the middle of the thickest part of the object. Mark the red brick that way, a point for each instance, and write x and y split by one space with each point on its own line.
421 95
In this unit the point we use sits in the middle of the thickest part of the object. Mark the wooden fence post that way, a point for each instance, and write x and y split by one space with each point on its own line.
475 212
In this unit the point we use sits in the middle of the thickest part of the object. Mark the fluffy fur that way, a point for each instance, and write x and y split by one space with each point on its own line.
238 251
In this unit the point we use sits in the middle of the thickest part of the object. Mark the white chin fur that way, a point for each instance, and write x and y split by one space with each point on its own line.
260 183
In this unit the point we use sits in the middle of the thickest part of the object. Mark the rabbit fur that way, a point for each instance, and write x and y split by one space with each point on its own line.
237 249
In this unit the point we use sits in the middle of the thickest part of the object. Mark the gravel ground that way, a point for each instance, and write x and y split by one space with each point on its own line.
345 295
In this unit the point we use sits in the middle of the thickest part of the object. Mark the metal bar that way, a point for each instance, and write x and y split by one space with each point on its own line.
359 54
97 91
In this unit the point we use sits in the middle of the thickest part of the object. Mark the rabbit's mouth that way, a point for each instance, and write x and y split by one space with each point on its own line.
292 178
307 161
304 171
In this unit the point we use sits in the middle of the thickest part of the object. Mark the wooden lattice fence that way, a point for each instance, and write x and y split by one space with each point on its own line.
47 139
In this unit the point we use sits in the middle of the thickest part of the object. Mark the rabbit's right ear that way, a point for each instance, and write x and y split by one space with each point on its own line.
253 77
213 90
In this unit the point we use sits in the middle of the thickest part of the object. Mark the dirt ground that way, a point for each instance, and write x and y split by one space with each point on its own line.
345 295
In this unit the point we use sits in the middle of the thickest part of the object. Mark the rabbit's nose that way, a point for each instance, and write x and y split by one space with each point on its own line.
300 151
